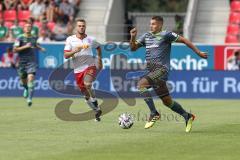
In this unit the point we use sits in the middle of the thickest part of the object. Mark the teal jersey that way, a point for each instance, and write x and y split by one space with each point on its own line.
158 47
27 54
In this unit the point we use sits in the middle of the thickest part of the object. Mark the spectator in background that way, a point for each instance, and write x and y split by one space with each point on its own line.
75 4
16 30
2 7
178 24
9 59
51 11
35 29
234 61
43 37
66 11
60 31
24 4
10 37
37 9
128 26
3 30
10 4
57 2
44 26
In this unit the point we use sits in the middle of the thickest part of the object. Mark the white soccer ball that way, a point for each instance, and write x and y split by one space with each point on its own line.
125 121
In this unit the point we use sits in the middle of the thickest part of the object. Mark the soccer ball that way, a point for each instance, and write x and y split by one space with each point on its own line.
125 121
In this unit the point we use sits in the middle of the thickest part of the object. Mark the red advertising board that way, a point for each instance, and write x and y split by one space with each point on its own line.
227 57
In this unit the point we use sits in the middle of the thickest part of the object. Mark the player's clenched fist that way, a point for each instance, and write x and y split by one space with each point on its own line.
133 32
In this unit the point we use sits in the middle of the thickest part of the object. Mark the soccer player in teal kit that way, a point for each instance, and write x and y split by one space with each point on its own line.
25 46
158 48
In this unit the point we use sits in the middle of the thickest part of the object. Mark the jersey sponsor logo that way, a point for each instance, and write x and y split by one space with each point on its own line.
152 46
174 34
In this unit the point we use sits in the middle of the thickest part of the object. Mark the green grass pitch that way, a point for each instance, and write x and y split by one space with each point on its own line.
37 134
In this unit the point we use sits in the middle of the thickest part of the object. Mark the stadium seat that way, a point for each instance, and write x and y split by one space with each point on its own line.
8 24
235 6
23 15
51 25
234 17
233 29
21 24
38 24
231 39
25 1
10 15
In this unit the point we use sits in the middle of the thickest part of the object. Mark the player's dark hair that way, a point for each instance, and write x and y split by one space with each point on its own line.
158 18
80 20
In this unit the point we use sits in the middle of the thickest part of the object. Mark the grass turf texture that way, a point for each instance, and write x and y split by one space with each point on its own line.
36 133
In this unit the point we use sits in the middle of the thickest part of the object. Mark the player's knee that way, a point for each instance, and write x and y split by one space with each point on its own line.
142 84
87 97
87 84
140 87
31 76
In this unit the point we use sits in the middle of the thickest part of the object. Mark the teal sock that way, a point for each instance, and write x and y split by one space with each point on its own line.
176 107
30 89
148 99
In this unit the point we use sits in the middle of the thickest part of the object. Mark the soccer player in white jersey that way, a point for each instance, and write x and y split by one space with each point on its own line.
79 48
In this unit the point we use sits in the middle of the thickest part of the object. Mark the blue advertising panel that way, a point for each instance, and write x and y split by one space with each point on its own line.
183 84
3 48
182 58
52 58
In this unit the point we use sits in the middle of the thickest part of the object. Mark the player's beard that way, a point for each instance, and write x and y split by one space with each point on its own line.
82 32
156 31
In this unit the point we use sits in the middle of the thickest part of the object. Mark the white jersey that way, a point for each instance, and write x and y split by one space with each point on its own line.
84 58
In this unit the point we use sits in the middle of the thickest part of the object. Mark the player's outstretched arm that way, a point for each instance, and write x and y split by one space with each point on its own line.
193 47
133 43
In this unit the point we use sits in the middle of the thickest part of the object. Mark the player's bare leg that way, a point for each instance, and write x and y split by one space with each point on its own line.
88 80
176 107
143 86
30 84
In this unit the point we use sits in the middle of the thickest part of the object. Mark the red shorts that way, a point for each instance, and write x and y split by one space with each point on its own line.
92 71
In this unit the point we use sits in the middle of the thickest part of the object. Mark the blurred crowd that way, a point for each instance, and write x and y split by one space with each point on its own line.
52 19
